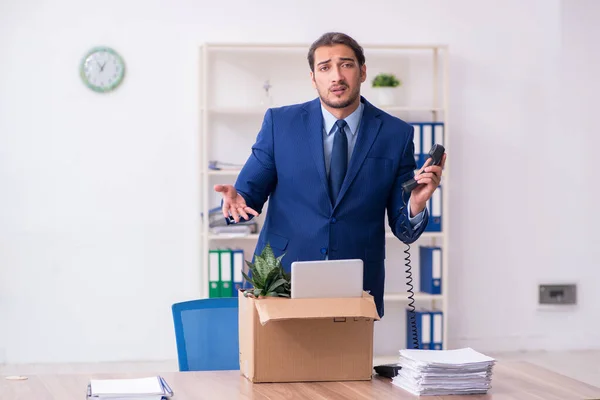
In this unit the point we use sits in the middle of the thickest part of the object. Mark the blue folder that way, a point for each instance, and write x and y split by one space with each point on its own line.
435 208
430 269
423 323
237 266
437 330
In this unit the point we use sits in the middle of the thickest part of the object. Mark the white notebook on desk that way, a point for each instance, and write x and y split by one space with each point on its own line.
149 388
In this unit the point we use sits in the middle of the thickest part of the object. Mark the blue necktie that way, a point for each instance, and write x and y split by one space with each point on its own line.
339 160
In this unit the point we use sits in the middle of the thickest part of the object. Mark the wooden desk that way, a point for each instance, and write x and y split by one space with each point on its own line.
511 381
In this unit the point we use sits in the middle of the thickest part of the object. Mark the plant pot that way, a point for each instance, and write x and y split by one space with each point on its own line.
386 96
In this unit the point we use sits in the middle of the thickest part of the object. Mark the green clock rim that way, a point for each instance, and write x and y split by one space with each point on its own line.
115 84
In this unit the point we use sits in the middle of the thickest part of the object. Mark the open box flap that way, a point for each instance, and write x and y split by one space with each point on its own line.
278 309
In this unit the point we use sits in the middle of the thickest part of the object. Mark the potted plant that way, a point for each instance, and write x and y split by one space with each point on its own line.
268 277
385 85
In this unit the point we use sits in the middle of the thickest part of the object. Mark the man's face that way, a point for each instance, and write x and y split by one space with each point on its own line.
337 76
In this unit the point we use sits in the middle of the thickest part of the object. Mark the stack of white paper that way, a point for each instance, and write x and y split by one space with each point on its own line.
444 372
151 388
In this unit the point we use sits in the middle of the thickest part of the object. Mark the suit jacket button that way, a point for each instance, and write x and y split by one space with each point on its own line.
324 250
333 220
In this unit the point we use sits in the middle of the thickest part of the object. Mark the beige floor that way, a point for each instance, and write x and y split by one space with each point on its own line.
581 365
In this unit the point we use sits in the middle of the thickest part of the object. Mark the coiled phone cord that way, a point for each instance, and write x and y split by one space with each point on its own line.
411 294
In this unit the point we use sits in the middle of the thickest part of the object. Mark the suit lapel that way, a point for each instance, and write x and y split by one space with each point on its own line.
367 132
313 122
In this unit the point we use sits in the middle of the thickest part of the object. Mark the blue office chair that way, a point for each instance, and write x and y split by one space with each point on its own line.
206 332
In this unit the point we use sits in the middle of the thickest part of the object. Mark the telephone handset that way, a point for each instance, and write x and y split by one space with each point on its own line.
436 153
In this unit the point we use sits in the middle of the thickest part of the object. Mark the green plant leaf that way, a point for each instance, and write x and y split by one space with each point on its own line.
386 80
279 283
268 275
257 280
262 266
247 278
269 257
277 294
271 278
280 258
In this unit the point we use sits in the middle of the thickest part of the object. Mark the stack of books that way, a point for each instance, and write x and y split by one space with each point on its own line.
444 372
151 388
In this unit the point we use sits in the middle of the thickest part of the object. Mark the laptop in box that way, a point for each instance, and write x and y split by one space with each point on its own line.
327 278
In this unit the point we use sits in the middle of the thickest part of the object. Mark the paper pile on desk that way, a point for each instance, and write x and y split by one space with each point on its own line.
151 388
444 372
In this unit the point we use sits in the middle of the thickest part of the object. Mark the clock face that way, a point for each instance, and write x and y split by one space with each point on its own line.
102 69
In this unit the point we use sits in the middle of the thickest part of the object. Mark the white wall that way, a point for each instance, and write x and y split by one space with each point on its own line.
536 206
573 250
99 210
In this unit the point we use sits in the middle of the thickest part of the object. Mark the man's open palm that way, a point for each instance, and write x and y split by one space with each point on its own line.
233 203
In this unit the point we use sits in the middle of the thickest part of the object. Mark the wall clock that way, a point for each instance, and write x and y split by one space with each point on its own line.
102 69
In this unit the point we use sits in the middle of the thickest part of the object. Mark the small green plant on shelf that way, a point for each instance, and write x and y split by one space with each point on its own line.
268 276
386 80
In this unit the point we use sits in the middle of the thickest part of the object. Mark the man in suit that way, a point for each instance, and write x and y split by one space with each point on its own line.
330 168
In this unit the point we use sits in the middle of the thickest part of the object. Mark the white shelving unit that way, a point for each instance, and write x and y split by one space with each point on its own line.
233 103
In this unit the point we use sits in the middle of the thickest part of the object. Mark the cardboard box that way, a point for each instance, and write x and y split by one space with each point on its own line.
301 340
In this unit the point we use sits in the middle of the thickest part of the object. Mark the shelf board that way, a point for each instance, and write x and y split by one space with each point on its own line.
238 110
262 110
212 236
424 235
399 108
418 296
223 172
304 46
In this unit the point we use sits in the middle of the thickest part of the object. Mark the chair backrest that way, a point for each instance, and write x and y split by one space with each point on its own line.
206 332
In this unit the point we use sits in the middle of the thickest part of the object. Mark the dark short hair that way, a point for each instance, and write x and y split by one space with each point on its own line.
332 38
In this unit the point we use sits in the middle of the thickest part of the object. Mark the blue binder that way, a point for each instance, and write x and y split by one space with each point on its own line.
435 207
423 323
426 142
426 134
430 329
430 269
237 266
437 330
438 133
417 142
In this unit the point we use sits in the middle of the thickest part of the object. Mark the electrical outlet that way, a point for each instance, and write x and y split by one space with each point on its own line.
558 294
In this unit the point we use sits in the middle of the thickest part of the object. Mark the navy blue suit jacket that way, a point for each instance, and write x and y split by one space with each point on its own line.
287 167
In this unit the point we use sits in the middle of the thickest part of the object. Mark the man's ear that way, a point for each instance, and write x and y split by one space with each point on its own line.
312 79
363 73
